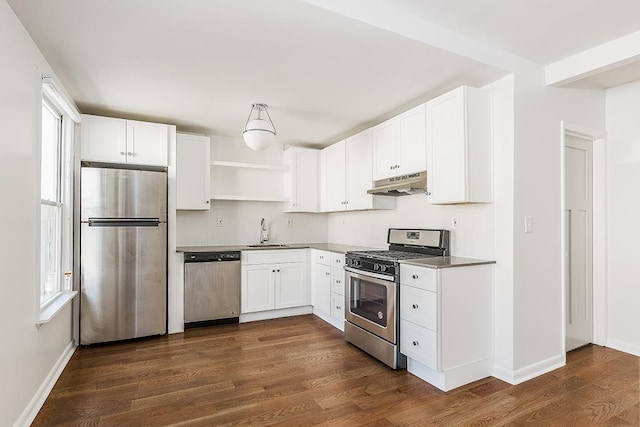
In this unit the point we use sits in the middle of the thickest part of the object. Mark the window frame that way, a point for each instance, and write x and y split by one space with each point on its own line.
54 98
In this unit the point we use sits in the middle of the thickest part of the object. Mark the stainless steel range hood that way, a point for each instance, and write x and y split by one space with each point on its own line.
402 185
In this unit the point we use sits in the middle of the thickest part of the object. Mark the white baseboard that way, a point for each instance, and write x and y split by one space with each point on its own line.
454 377
528 372
624 346
32 409
274 314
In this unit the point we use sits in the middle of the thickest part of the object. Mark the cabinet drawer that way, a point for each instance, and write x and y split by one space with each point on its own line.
337 280
323 257
276 256
419 344
418 277
337 306
337 260
419 306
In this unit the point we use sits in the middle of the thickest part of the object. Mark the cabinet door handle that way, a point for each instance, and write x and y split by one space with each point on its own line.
273 271
338 281
207 202
414 306
415 343
278 270
122 153
327 274
131 153
338 307
414 277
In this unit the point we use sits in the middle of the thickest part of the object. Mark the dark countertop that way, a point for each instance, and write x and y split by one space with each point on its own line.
331 247
446 262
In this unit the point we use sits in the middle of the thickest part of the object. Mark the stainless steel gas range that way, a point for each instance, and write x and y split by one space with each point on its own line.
373 291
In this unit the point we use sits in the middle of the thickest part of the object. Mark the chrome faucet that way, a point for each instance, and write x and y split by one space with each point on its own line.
264 233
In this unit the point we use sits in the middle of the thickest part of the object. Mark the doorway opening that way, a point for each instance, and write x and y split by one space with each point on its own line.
583 237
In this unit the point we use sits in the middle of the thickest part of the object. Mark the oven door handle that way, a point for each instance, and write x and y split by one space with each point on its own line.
369 276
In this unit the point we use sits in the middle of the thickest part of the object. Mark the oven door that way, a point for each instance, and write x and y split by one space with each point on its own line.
371 304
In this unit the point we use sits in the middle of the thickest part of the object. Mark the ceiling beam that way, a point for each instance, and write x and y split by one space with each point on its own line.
605 57
384 15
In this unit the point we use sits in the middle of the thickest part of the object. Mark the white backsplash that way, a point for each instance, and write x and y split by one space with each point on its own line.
241 224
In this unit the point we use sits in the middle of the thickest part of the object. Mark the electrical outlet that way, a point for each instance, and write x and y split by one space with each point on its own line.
455 222
220 222
289 222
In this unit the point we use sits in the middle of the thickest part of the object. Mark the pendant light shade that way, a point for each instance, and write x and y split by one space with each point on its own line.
259 132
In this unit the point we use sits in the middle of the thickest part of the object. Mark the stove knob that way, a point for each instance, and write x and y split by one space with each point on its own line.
376 267
383 268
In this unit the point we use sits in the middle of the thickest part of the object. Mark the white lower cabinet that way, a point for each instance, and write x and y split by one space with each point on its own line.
446 323
327 286
273 279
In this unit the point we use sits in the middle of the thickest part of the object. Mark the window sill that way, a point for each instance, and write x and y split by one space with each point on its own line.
48 312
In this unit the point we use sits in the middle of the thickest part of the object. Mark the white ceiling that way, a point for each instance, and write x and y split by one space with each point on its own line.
200 64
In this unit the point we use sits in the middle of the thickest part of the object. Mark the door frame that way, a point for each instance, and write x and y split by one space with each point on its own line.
599 230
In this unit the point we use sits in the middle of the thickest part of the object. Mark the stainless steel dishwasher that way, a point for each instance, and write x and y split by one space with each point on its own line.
211 288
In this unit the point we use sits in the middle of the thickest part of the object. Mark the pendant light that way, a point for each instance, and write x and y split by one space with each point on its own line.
259 133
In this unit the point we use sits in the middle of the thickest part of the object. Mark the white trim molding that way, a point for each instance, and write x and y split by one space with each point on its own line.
624 346
529 372
29 414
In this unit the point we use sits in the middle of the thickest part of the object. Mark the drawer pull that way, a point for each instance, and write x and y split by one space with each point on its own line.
414 306
327 274
415 343
338 281
338 307
414 277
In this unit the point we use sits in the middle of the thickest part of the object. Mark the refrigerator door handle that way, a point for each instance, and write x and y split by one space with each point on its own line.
128 222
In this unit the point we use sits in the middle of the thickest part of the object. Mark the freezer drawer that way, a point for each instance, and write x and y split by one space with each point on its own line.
212 291
123 282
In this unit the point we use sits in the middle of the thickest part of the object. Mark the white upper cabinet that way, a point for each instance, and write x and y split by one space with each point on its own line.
301 179
147 143
459 147
399 144
346 176
106 139
334 177
192 172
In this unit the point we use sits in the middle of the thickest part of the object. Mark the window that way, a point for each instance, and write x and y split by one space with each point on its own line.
59 118
51 203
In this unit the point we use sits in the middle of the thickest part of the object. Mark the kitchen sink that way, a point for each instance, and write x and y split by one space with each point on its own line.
267 245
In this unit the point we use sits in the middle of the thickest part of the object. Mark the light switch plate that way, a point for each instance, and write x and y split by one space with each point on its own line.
528 224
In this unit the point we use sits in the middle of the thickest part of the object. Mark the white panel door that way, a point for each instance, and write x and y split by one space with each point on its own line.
446 148
334 176
386 143
321 292
291 286
147 143
413 144
358 171
103 139
193 170
578 241
258 288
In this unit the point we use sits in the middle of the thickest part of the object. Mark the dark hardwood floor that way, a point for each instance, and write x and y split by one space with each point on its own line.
298 371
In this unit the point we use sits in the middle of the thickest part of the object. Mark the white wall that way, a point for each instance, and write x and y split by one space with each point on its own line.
623 211
538 338
28 353
473 238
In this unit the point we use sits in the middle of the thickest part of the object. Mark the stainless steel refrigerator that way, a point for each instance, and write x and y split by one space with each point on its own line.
123 254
